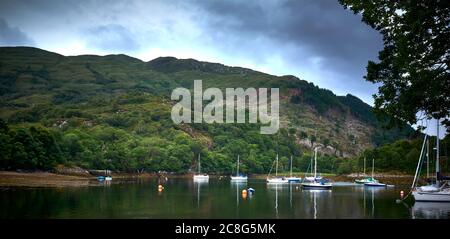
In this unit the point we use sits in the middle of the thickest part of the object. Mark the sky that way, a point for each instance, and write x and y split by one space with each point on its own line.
316 40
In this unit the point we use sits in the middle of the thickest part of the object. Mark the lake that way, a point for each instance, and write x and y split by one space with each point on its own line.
183 198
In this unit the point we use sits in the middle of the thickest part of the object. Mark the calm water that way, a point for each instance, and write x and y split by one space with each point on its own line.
182 198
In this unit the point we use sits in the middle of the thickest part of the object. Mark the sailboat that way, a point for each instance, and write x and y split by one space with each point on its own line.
372 182
317 183
238 178
199 176
438 192
291 178
312 178
276 179
366 179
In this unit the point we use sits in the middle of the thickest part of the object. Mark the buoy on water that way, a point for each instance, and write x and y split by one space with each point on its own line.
244 194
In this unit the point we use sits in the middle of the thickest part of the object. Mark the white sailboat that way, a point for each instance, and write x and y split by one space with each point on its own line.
317 183
199 176
438 192
312 178
372 182
238 178
366 179
276 179
293 179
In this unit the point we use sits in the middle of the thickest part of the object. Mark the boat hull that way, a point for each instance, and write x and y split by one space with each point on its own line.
238 179
431 196
325 186
375 185
294 179
276 181
201 177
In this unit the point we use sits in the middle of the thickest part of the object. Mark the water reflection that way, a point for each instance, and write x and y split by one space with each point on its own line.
430 210
372 192
198 185
183 198
238 187
317 197
276 187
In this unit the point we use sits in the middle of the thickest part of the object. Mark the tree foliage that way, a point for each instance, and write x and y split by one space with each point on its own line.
413 68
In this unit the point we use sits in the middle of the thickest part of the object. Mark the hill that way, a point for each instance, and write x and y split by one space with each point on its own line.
114 112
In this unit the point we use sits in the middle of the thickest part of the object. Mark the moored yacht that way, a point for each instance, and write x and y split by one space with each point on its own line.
276 179
440 190
199 176
238 178
316 183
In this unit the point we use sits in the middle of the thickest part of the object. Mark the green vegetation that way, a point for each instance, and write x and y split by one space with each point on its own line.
413 67
113 112
403 155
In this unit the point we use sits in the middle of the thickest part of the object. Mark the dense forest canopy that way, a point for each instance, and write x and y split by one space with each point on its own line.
113 112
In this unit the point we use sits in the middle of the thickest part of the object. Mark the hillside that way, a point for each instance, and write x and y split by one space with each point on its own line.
114 111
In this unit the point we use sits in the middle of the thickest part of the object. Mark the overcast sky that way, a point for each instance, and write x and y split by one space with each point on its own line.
317 41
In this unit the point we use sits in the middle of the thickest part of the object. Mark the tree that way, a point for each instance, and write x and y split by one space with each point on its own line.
413 68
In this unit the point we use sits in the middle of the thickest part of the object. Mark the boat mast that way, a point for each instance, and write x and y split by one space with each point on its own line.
315 163
364 166
437 152
237 171
291 166
428 158
373 165
276 168
199 164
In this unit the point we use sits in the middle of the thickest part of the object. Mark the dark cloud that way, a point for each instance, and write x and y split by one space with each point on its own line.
13 36
112 37
317 40
319 29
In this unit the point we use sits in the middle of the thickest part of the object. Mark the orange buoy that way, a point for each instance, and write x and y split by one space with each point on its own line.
244 194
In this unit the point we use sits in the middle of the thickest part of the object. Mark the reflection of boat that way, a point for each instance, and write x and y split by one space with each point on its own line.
316 183
199 176
238 177
372 182
438 192
198 184
276 179
317 193
293 179
430 210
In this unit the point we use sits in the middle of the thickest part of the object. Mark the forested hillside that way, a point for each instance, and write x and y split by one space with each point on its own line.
113 112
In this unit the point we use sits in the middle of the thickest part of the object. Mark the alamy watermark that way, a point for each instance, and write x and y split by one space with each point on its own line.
234 103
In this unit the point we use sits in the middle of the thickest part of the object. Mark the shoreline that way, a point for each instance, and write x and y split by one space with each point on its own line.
49 179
